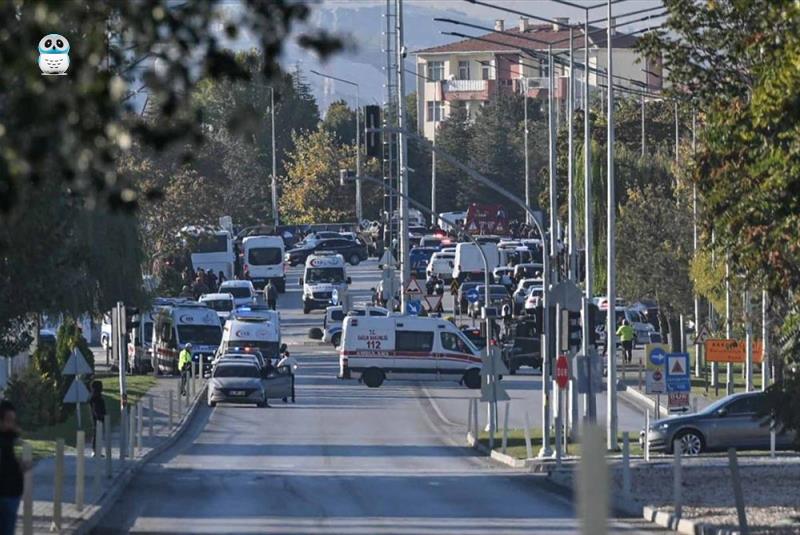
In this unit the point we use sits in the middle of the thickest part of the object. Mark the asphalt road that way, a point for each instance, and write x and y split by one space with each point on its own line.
343 459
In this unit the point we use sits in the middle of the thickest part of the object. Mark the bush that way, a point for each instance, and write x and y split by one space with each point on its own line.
36 398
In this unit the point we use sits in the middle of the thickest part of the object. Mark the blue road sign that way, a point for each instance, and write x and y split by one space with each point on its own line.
677 368
414 307
473 296
657 356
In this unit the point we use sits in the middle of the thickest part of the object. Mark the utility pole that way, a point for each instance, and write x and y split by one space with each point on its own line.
405 271
527 157
643 127
433 153
611 345
697 363
590 407
728 325
748 337
766 362
359 206
274 184
573 275
552 158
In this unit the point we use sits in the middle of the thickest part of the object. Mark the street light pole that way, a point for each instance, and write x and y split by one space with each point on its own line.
570 156
274 182
434 217
590 407
527 156
405 269
552 154
611 345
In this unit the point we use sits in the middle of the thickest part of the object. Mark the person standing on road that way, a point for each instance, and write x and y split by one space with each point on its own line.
626 334
185 366
290 362
98 407
11 469
271 293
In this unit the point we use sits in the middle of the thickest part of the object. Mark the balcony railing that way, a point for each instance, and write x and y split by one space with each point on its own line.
465 85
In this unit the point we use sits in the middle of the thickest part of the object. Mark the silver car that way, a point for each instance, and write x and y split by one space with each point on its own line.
731 422
237 381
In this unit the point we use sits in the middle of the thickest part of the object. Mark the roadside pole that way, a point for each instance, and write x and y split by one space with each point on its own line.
766 360
611 275
590 408
572 271
403 156
748 335
728 325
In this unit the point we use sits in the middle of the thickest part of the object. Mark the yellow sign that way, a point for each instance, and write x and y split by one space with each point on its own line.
733 351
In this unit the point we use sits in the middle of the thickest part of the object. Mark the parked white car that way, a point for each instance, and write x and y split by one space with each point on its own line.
243 292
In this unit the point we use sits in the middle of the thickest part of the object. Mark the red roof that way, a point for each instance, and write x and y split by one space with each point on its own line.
512 40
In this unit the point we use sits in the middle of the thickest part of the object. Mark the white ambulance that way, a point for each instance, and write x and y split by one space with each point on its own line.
257 328
182 322
407 347
324 281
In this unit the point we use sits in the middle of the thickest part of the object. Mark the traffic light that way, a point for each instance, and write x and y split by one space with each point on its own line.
130 312
372 115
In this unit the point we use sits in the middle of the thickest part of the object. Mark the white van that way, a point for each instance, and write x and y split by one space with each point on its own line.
324 274
441 264
334 317
183 322
140 340
260 329
406 347
469 262
263 261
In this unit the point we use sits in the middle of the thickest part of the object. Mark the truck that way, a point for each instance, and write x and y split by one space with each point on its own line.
469 263
212 250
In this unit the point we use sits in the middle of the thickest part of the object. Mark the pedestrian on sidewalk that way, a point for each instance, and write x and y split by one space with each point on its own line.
11 469
271 293
98 407
626 334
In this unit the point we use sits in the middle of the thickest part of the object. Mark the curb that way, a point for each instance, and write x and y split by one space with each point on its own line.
640 400
316 343
535 465
88 521
681 525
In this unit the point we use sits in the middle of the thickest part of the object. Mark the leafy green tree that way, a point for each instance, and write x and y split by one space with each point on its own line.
454 137
340 120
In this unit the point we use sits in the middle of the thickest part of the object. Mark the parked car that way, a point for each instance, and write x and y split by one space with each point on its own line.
533 299
243 291
527 271
734 421
521 293
523 347
237 381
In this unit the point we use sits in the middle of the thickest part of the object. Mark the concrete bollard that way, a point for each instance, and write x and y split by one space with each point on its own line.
677 479
151 413
107 438
27 496
733 463
131 438
593 483
58 486
80 469
139 426
626 465
98 462
527 432
505 428
171 419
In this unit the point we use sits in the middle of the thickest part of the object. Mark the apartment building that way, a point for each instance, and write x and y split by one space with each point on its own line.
474 70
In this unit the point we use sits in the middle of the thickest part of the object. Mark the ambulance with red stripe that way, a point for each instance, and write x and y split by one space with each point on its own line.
407 347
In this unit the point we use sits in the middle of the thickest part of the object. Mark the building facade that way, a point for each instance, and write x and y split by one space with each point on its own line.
514 60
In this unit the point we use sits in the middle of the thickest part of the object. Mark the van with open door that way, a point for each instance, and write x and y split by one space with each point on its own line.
404 347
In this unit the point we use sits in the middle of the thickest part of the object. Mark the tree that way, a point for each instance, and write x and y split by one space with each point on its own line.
654 247
454 137
114 47
340 120
311 190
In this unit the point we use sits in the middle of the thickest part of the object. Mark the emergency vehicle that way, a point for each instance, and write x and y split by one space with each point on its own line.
259 328
185 322
324 281
263 261
404 347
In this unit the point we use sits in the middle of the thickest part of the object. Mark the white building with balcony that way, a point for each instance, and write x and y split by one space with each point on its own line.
473 70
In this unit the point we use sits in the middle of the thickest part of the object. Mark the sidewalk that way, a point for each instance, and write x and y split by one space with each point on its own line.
95 497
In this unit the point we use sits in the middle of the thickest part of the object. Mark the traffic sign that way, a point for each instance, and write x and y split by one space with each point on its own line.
413 288
702 335
77 392
433 302
734 351
678 402
454 286
655 374
562 371
473 295
493 364
677 369
413 307
76 365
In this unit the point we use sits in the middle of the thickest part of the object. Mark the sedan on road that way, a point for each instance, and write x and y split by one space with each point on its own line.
237 381
735 421
353 251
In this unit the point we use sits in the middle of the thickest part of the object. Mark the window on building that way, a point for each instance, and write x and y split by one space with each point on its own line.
435 70
486 71
463 70
415 341
435 110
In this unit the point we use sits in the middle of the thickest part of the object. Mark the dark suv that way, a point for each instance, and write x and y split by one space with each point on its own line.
351 250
